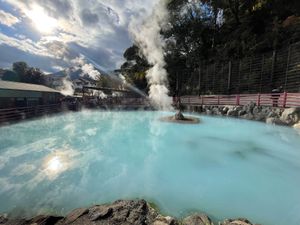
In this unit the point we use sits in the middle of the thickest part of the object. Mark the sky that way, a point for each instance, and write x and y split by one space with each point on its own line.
51 34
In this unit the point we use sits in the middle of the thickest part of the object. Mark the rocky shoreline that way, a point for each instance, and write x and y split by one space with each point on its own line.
135 212
270 115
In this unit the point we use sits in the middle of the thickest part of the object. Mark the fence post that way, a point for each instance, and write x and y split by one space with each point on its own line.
202 100
284 99
287 67
229 76
237 100
258 99
218 99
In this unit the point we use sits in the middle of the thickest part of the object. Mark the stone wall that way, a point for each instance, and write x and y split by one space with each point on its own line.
270 115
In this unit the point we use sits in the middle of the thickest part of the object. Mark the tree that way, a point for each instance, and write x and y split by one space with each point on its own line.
20 68
9 75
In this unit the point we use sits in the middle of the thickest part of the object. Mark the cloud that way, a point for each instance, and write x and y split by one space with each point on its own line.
97 29
8 19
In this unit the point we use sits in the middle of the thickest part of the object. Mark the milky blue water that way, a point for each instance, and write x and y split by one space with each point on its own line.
224 167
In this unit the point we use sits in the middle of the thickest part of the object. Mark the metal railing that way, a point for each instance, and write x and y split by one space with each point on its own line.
282 100
21 113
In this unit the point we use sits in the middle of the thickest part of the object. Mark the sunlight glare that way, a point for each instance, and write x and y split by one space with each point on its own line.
41 20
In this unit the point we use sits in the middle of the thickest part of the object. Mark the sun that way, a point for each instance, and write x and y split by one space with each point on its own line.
40 19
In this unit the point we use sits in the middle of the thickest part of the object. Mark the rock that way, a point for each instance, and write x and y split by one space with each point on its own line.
291 116
99 212
75 214
297 127
3 219
232 112
179 116
272 114
275 121
45 220
161 220
249 107
197 219
248 116
242 113
240 221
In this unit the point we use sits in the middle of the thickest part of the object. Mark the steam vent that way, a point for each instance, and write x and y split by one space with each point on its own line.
180 118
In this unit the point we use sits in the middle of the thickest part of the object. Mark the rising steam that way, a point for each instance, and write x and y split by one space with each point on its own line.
147 36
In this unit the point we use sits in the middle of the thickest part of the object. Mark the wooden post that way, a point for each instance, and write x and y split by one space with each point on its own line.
237 100
218 99
284 99
258 99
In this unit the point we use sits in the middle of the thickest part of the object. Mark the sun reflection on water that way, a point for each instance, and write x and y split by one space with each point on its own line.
57 163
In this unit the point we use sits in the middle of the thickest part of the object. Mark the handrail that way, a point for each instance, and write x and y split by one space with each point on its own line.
282 100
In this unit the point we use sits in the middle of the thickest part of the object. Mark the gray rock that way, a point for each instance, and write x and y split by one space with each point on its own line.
291 116
232 112
240 221
242 113
3 219
45 220
275 121
99 212
75 214
197 219
161 220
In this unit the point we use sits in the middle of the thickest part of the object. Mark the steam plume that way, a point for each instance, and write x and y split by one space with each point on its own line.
147 36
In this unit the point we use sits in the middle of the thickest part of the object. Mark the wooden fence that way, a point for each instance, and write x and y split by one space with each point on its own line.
283 100
255 74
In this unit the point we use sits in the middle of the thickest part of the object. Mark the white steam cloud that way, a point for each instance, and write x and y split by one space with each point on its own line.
67 88
147 36
87 68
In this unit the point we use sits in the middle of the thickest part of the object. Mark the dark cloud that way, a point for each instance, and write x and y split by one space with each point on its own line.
88 18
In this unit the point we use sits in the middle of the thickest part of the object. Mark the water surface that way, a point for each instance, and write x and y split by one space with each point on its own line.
224 167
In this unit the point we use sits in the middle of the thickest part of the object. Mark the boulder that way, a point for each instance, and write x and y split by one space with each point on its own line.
45 220
275 121
232 112
197 219
240 221
291 116
161 220
3 219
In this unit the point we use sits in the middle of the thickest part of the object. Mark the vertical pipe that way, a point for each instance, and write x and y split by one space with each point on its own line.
199 80
239 76
273 67
229 77
287 67
261 73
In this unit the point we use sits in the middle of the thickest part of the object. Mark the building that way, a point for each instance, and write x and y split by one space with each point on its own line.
15 94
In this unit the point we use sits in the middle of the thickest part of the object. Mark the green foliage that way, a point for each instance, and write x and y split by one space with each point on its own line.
27 74
9 75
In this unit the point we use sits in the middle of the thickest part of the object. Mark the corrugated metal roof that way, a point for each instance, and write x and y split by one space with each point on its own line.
8 85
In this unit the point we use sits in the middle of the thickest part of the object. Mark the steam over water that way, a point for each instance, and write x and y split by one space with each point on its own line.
226 168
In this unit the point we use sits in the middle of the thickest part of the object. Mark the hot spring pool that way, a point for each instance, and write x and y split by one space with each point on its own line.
224 167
